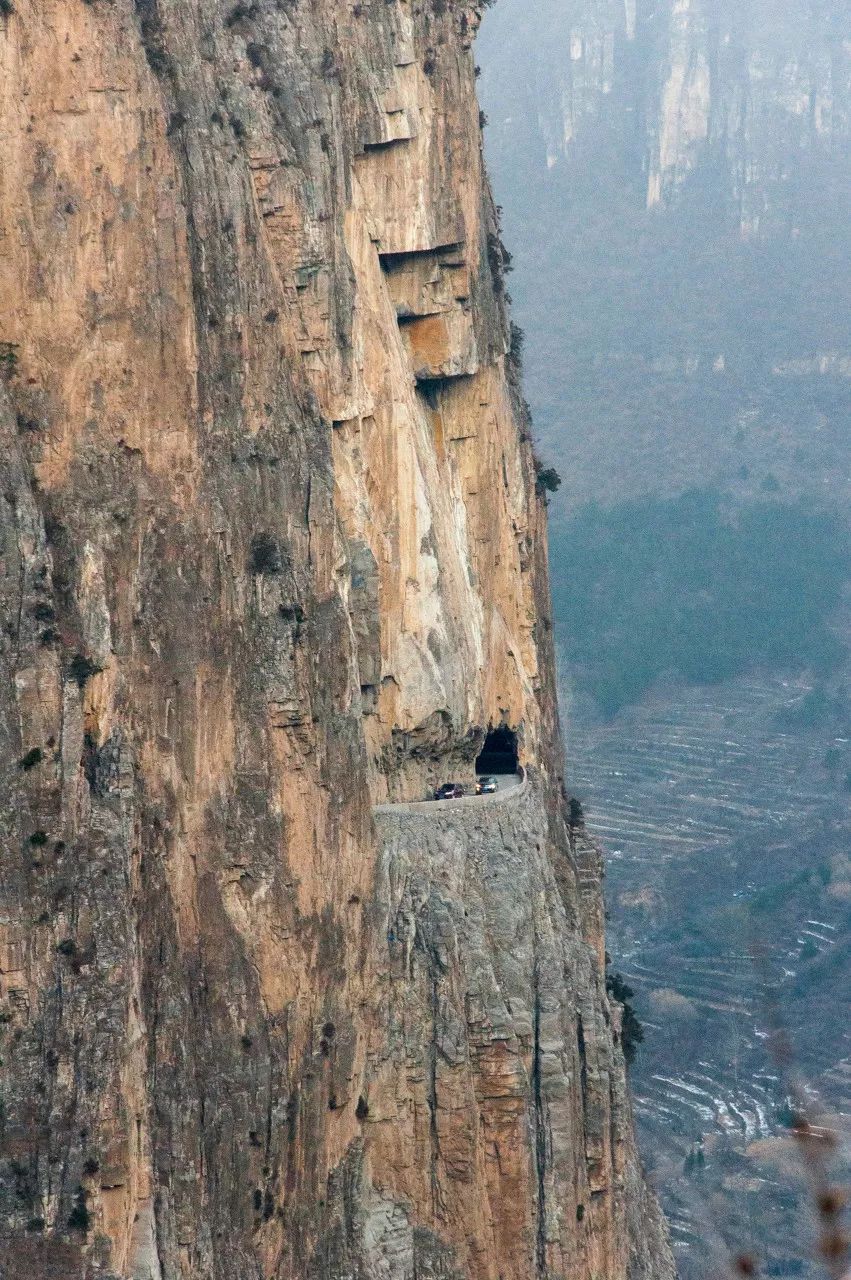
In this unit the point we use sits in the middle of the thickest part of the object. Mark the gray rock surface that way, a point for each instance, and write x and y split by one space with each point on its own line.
271 553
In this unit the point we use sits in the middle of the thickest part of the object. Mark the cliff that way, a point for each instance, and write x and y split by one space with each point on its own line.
757 97
271 555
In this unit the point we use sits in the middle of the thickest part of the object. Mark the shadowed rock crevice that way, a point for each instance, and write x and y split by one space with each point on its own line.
540 1134
500 752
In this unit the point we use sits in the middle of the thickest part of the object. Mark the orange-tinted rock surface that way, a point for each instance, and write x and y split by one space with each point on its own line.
271 554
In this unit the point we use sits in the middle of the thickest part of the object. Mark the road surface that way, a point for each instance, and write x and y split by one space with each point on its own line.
507 782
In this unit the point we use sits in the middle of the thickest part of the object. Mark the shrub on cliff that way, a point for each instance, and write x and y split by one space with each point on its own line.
81 669
576 814
8 350
79 1218
499 260
632 1032
547 479
619 988
515 346
265 554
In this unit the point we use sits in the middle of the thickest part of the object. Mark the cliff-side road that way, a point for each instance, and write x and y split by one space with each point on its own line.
273 552
509 786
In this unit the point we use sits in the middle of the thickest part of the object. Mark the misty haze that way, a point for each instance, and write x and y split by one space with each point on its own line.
674 183
425 639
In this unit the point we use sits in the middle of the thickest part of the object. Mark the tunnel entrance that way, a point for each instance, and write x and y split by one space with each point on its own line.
499 753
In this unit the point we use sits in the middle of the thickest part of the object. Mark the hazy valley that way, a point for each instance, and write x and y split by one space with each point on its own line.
674 187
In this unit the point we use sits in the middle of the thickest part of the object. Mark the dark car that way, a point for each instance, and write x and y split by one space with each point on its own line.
486 786
449 791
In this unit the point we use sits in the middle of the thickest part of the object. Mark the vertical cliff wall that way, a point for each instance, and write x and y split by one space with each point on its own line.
271 554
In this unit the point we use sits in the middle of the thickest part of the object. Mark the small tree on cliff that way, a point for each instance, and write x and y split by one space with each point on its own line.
547 479
632 1032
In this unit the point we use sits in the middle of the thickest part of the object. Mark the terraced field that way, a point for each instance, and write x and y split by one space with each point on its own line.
729 889
654 773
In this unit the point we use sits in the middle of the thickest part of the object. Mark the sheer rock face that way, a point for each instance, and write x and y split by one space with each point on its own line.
271 553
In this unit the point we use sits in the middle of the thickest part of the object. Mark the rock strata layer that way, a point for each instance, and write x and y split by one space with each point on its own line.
271 554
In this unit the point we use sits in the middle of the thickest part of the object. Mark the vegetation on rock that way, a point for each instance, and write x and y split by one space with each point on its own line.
689 588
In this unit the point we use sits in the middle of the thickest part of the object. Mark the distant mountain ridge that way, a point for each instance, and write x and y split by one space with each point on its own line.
680 86
674 178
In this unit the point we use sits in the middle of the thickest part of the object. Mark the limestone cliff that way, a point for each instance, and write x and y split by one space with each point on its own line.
755 99
271 554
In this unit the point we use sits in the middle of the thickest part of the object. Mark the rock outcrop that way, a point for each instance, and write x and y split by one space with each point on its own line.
517 1091
271 554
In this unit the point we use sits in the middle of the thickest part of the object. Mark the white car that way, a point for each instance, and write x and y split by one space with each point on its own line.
486 786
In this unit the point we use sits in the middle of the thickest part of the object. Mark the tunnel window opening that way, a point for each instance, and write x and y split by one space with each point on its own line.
499 754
